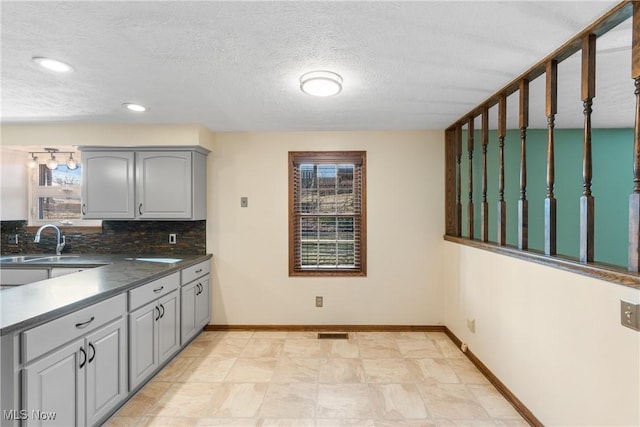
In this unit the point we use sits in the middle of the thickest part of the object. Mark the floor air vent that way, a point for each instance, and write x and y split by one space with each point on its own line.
333 336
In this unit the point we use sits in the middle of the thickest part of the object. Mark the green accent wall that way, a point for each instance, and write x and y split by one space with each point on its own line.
611 185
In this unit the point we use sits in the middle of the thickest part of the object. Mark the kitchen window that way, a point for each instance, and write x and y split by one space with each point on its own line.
56 196
327 213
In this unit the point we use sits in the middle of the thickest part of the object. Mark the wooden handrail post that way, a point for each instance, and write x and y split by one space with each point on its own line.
502 205
551 108
587 202
470 210
458 145
523 203
484 212
634 199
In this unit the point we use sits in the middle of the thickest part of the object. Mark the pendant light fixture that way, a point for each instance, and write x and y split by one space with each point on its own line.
52 162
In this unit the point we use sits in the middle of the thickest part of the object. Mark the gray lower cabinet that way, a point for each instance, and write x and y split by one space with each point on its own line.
79 383
195 300
154 328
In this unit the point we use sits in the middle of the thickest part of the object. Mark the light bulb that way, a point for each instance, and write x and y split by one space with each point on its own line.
71 162
33 162
52 163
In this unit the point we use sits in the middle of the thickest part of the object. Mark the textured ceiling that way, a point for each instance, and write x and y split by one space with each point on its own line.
234 66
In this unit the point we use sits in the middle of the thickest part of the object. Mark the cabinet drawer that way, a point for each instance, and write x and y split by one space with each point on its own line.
190 274
153 290
44 338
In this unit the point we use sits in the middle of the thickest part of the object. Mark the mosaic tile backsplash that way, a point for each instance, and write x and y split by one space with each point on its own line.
116 237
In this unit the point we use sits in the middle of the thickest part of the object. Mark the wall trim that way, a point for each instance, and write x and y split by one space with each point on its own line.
499 385
323 328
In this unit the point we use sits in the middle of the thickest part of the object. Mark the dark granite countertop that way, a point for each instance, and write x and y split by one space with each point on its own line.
25 306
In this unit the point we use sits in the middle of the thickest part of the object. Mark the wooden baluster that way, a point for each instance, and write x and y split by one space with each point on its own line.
523 203
470 210
450 153
551 109
587 202
502 205
458 144
484 212
634 199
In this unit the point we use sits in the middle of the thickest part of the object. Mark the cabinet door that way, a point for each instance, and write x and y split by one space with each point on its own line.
163 185
106 369
143 342
203 312
169 325
54 388
188 311
108 185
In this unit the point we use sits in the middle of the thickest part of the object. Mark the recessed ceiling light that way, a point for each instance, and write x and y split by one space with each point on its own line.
135 107
53 64
321 83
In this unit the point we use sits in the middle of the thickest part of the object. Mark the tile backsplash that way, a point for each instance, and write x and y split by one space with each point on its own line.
116 237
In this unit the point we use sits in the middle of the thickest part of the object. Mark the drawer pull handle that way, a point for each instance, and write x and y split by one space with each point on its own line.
156 290
84 360
199 271
85 324
93 356
157 308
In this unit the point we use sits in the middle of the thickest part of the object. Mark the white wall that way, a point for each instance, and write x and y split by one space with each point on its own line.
553 337
405 196
13 184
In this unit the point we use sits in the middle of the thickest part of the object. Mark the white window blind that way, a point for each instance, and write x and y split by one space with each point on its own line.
327 213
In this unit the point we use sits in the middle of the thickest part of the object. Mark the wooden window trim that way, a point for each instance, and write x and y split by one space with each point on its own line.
329 157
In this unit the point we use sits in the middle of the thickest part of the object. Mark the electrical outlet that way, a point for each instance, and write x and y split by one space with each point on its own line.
318 301
173 239
13 239
630 315
244 202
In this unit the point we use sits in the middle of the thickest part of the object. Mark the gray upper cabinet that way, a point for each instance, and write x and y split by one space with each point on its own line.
150 183
108 185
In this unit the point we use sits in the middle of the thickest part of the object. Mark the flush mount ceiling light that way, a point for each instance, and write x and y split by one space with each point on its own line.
53 64
321 83
135 107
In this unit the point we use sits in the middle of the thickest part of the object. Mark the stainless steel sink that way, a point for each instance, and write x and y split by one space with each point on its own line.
53 258
19 258
35 258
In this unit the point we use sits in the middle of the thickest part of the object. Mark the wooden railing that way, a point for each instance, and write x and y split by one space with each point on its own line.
585 43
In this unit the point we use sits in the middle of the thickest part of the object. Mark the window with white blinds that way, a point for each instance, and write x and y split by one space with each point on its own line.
327 220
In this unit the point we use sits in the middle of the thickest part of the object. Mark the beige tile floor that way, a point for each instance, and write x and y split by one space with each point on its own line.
271 378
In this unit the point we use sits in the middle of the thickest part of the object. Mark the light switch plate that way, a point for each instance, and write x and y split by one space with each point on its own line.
172 239
630 315
244 202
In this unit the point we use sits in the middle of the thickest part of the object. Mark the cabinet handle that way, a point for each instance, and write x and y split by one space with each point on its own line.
84 212
84 361
140 209
198 271
156 290
85 324
157 308
93 356
200 289
162 307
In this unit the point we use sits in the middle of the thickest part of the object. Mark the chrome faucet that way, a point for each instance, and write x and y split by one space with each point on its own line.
61 239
